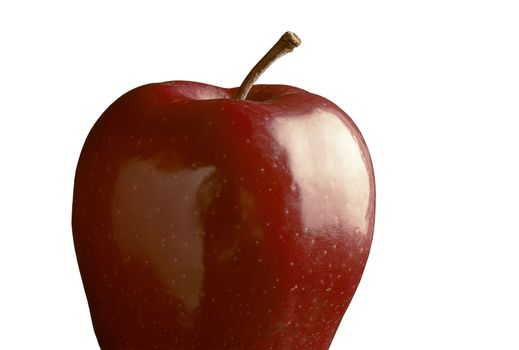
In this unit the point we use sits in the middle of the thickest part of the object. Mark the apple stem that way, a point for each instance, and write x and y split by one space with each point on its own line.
284 45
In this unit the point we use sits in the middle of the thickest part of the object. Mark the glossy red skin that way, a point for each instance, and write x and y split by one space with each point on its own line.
204 222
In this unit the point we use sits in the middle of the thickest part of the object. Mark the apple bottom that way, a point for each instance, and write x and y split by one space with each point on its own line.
247 310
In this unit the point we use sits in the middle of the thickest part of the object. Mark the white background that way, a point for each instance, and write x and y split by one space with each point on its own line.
433 85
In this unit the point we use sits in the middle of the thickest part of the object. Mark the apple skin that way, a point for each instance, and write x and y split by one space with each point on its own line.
205 222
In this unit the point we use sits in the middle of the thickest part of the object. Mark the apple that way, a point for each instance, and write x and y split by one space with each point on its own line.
213 218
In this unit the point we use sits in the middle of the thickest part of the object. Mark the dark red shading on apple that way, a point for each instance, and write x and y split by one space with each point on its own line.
202 221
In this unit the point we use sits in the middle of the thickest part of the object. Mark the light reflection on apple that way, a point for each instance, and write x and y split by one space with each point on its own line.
169 236
322 144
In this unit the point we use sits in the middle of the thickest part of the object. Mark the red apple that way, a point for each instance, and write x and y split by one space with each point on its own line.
212 218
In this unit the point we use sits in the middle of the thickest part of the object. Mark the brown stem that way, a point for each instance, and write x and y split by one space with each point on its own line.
285 44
